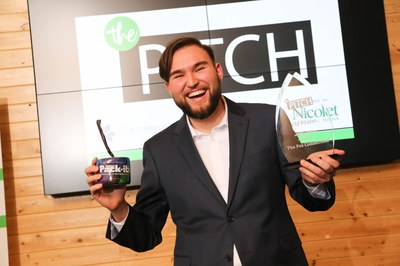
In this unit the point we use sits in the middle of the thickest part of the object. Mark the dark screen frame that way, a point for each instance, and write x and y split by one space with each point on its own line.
371 85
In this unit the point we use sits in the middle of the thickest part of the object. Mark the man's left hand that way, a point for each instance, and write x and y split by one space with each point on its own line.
321 168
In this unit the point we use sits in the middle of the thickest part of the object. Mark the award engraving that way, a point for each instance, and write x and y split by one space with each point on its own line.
304 118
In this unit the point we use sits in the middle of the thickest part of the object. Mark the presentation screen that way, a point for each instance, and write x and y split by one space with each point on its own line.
99 60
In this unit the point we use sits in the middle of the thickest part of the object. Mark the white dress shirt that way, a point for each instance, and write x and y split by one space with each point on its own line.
214 152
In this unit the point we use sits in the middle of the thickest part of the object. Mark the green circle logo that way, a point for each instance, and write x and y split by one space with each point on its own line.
122 33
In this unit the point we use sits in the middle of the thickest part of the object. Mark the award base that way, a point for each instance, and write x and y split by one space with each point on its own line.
296 165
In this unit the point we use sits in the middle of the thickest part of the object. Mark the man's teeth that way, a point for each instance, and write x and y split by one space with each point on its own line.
196 93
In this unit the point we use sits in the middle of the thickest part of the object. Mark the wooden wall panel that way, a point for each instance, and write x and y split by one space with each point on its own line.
13 6
15 58
15 40
19 169
16 76
362 228
14 22
17 95
28 186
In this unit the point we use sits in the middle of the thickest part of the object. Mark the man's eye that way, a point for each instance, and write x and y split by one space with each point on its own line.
177 76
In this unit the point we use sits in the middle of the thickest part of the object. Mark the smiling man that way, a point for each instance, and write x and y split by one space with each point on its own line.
194 82
218 172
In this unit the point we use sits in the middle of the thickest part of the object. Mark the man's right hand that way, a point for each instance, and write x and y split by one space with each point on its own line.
112 198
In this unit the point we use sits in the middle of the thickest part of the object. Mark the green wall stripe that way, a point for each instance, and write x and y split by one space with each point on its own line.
3 222
1 175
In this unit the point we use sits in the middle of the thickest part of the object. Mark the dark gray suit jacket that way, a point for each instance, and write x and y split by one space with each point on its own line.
256 218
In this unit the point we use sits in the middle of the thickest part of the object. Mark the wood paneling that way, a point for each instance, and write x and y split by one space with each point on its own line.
362 228
16 95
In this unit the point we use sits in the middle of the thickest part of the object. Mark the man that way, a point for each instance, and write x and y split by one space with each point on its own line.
218 171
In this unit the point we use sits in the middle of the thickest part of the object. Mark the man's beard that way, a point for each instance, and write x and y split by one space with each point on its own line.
203 113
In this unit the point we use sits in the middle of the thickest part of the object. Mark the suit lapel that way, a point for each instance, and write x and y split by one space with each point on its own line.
238 125
184 143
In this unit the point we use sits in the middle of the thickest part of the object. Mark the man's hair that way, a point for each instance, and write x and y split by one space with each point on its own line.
165 62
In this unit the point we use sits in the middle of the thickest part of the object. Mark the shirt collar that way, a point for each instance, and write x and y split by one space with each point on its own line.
222 123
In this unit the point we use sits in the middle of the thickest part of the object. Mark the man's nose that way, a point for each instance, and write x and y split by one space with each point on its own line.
192 80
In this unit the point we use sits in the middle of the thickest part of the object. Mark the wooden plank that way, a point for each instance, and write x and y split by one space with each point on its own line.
22 187
16 58
349 228
368 190
367 173
14 22
106 254
16 76
78 238
392 22
60 239
378 260
20 131
391 6
56 220
22 149
25 205
13 6
30 204
352 247
396 82
349 210
25 112
14 169
392 12
72 256
17 95
60 220
159 261
15 40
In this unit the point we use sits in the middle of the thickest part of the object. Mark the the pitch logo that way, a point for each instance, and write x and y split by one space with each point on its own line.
253 58
122 33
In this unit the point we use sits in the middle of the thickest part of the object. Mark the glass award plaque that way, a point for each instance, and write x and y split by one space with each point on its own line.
304 120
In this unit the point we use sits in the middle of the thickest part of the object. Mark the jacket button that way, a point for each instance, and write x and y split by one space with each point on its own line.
228 258
230 219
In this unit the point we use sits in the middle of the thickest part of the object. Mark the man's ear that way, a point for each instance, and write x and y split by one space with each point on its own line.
219 70
168 88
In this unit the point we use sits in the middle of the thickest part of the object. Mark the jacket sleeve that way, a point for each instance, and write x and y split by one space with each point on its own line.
299 192
146 219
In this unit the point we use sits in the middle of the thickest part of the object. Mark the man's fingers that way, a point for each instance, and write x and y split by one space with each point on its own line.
95 188
315 172
94 160
92 179
92 169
